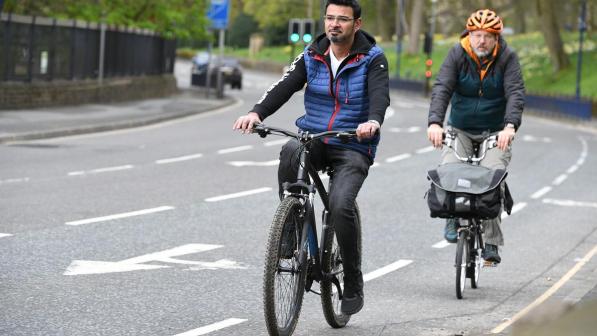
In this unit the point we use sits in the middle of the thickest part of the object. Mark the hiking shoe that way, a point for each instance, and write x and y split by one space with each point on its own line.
490 253
450 231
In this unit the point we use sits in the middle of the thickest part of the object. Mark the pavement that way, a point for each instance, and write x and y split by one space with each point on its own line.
50 122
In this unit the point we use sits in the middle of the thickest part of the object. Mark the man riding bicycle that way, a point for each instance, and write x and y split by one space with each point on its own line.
347 88
482 80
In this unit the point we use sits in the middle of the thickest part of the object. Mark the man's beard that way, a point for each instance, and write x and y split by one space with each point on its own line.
480 53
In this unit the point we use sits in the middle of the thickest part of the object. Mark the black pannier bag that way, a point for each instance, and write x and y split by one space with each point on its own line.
461 190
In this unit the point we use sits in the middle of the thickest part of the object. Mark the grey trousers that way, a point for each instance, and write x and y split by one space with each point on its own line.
495 158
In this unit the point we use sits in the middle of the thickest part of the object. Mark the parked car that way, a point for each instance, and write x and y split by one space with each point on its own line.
232 72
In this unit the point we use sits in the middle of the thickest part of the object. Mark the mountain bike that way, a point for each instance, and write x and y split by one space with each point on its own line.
294 259
468 262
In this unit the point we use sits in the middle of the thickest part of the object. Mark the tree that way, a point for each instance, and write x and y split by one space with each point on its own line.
416 23
549 26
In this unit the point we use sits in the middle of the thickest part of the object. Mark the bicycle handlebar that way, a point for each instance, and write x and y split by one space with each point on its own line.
449 139
264 130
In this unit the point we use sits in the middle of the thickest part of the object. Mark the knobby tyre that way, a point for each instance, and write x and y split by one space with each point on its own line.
332 263
284 275
461 262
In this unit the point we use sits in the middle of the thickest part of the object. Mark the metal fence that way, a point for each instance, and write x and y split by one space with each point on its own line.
37 48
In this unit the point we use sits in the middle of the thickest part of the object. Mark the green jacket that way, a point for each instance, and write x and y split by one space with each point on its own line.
478 106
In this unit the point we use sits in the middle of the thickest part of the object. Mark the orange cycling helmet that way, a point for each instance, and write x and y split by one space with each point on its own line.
485 19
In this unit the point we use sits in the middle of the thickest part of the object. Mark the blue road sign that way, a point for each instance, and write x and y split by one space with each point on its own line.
218 14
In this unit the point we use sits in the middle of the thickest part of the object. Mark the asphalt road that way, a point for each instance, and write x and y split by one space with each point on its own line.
143 231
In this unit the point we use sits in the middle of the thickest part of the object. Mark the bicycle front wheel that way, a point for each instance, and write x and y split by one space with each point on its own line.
332 264
284 274
461 262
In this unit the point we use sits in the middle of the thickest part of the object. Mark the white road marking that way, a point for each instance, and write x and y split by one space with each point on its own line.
121 215
570 203
398 157
15 180
531 138
235 149
238 194
425 150
539 193
101 170
412 129
441 244
572 169
386 269
254 163
79 267
179 159
516 208
404 105
548 293
390 112
2 235
212 327
275 142
560 179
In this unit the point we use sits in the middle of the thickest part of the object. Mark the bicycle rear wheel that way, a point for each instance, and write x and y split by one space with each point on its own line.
332 264
284 275
461 262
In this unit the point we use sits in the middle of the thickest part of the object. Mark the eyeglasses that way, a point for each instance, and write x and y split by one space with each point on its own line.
340 19
485 36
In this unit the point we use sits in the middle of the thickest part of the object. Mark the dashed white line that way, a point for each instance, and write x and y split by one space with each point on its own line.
425 150
441 244
572 169
212 327
235 149
516 208
386 269
101 170
2 235
398 157
254 163
275 142
537 194
15 180
570 203
179 159
560 179
119 216
238 194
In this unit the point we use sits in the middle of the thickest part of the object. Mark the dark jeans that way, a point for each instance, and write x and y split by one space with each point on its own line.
350 170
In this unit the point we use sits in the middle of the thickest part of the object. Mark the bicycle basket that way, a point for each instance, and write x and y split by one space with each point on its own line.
466 191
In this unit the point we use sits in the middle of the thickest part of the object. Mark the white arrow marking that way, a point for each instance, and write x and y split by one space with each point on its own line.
118 216
254 163
79 267
212 327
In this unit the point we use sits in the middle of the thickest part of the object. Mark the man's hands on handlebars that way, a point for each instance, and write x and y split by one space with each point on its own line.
435 135
245 123
367 130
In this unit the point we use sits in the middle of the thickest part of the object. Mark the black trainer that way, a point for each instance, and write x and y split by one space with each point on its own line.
490 253
353 298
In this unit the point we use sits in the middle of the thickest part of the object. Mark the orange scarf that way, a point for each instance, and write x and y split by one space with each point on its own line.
465 42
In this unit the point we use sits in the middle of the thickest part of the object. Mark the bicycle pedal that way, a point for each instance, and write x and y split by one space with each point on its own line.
489 264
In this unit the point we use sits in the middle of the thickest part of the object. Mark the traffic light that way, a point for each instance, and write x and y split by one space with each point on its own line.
301 30
294 30
308 30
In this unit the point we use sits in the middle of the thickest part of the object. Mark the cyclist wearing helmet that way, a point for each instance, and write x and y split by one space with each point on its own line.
482 80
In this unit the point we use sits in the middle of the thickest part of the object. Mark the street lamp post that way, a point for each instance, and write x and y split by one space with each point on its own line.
582 26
